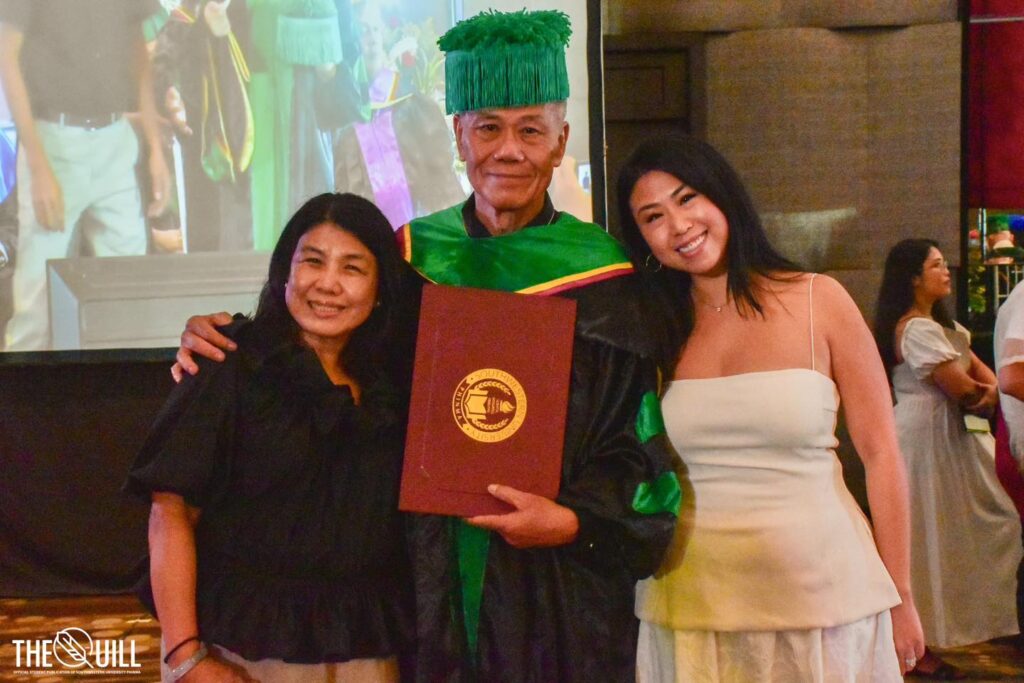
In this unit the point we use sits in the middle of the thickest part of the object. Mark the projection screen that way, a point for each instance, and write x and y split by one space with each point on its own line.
261 105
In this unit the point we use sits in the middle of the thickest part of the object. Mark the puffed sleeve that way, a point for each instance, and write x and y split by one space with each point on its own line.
187 449
924 347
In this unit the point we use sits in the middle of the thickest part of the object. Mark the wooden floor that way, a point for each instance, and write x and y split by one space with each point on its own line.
998 660
118 617
123 618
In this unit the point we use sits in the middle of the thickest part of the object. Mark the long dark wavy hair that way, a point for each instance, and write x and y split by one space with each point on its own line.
748 251
904 262
365 356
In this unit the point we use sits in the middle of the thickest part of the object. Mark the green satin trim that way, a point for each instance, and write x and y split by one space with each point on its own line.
663 495
471 544
443 252
649 421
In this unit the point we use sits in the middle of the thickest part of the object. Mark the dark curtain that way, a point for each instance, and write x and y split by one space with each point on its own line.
68 433
996 105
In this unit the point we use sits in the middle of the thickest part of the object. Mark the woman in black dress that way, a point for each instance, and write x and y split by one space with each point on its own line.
275 541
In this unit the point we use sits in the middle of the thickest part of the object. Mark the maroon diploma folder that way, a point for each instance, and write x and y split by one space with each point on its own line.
489 397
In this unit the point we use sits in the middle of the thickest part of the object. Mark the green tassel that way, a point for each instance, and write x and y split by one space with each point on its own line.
505 76
308 41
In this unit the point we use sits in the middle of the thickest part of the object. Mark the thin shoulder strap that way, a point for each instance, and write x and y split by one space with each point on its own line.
810 308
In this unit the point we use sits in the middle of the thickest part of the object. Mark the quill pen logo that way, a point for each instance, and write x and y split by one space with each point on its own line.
71 647
74 651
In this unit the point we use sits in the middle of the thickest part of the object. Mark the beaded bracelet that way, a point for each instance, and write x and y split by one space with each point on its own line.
177 647
178 672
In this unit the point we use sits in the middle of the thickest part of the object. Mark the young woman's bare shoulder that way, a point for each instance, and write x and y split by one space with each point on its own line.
785 285
785 277
783 282
833 301
829 286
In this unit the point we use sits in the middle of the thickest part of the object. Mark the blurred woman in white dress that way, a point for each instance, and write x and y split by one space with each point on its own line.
965 533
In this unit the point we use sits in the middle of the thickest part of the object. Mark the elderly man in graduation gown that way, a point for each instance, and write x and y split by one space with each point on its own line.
544 593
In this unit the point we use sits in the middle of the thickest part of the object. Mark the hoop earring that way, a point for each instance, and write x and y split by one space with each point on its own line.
647 264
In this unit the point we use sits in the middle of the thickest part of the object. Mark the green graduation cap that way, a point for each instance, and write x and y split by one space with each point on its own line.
506 59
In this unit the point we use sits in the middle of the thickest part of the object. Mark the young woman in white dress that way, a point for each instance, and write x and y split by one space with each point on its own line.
774 574
964 529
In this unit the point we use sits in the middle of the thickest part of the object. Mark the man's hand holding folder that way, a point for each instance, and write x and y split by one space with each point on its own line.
537 522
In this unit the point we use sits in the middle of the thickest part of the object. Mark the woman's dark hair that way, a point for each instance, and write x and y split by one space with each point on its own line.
365 354
904 262
748 251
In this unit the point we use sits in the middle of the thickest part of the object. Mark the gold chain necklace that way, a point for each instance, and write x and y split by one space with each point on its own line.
715 307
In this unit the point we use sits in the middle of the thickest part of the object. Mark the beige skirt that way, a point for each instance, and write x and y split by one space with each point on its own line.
859 652
276 671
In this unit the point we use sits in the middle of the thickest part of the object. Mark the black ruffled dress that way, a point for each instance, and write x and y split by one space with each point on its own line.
300 555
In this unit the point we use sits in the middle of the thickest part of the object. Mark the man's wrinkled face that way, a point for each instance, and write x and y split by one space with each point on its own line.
511 154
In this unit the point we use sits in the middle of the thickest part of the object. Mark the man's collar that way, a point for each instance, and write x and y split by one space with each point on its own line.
475 228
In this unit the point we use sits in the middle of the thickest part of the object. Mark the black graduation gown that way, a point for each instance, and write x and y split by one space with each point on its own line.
565 613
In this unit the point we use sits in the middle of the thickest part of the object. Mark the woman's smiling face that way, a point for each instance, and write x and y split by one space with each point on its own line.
332 286
685 230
